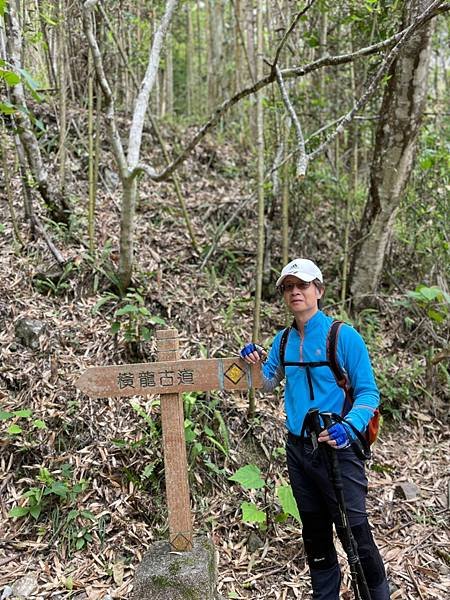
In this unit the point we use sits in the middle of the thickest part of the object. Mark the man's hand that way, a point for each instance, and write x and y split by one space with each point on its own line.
252 353
336 436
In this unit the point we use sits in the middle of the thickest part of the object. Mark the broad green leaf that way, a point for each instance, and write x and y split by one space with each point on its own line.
249 477
126 310
2 7
115 327
10 77
69 583
39 124
7 108
189 432
435 315
287 501
148 471
35 511
252 514
14 429
157 321
24 414
59 488
80 543
19 511
426 163
4 416
39 424
430 293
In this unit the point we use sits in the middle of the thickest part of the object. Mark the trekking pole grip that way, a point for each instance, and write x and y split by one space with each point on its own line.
328 422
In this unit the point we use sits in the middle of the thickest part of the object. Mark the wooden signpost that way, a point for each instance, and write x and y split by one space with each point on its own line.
169 377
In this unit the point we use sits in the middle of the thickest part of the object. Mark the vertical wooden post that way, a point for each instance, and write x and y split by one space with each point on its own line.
175 460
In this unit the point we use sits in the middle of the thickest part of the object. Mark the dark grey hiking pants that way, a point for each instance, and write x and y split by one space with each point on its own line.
316 501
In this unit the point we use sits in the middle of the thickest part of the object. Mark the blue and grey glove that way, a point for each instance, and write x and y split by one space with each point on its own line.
249 348
340 435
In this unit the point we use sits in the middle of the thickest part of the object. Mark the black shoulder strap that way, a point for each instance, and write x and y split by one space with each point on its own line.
283 342
332 353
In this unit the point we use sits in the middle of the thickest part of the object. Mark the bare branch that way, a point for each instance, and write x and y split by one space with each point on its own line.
302 159
382 70
214 119
143 168
289 31
141 105
38 226
434 9
88 8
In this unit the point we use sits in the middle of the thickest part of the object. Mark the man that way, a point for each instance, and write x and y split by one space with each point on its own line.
313 386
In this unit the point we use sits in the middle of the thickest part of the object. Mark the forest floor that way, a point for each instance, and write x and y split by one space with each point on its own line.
99 462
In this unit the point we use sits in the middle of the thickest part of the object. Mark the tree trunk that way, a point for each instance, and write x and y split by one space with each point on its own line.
57 209
395 144
260 177
62 97
128 210
168 76
189 61
260 184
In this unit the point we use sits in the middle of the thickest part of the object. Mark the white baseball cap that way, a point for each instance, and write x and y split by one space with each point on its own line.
303 269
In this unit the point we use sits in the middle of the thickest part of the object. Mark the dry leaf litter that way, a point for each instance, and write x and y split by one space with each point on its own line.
107 443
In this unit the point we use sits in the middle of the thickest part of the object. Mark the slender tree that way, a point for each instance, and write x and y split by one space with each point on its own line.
260 175
395 144
56 205
128 162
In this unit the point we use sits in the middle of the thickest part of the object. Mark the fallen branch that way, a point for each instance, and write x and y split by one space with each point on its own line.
51 246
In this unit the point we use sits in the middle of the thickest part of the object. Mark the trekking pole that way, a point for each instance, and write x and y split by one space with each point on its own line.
359 583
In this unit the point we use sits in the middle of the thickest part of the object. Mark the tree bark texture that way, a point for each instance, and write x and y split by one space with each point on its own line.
58 210
395 144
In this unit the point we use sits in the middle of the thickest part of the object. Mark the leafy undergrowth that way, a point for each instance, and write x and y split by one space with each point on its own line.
82 480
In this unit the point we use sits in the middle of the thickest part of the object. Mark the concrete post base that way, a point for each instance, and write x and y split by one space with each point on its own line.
165 575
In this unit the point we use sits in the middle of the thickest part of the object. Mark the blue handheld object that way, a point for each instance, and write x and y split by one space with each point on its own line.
247 349
339 434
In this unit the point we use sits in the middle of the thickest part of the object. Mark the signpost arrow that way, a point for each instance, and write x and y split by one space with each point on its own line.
169 377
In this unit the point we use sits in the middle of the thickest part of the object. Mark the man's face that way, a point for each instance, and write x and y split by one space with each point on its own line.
301 296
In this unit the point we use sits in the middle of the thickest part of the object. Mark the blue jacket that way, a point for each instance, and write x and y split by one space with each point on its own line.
353 358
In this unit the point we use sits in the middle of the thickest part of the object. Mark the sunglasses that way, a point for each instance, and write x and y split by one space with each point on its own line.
289 287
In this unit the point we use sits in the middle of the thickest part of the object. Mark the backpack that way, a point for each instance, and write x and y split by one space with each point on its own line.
370 435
